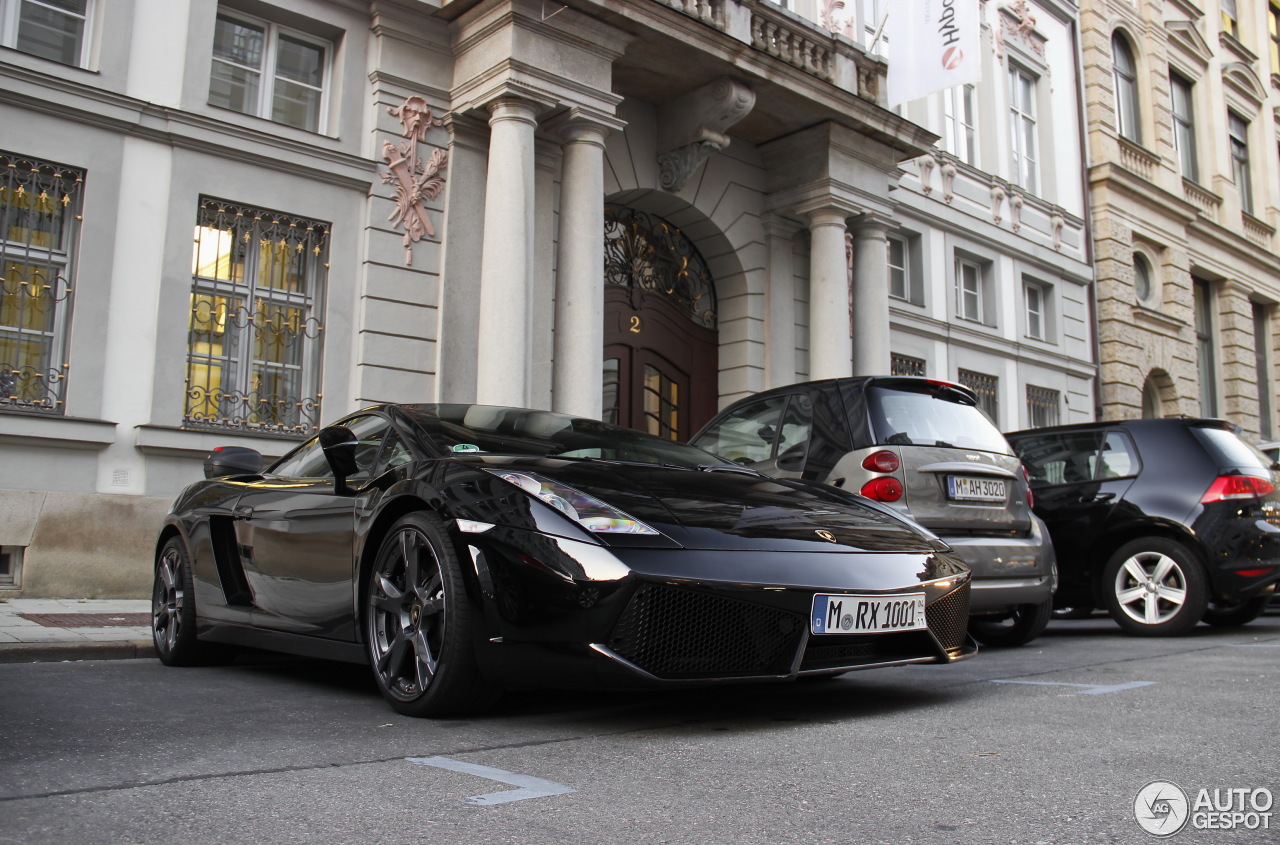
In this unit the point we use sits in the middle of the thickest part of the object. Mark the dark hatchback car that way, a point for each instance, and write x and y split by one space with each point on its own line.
1161 522
922 447
464 549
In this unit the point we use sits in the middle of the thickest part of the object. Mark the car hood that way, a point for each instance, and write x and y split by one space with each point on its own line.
730 509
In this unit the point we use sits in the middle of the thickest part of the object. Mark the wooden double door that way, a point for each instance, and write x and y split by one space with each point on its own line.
660 367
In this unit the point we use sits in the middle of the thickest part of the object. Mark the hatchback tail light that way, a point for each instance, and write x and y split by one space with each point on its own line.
882 461
883 489
1031 497
1226 487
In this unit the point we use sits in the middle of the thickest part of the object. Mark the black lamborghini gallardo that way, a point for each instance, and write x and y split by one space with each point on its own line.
465 549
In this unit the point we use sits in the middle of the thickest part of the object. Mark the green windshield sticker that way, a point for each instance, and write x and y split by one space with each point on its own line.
466 447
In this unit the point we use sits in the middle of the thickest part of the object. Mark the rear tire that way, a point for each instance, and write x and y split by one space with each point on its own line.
419 625
1230 614
1024 624
173 611
1155 587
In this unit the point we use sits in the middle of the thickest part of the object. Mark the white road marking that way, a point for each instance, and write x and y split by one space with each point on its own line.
530 787
1087 689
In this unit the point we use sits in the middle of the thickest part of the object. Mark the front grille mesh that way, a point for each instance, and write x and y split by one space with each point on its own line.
675 632
948 617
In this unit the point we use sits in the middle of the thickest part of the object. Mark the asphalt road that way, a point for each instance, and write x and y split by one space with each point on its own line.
1049 743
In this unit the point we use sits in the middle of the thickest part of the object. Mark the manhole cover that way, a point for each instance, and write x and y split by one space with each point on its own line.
90 620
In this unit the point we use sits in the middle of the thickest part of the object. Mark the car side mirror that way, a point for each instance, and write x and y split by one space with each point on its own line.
232 460
339 445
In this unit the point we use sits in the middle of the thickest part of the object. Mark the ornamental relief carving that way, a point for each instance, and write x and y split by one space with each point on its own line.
415 181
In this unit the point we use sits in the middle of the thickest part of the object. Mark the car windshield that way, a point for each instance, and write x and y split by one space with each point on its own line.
1230 450
910 418
461 429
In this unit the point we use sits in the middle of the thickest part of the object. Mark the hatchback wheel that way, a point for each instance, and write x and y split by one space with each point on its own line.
1229 614
1155 587
419 626
1024 624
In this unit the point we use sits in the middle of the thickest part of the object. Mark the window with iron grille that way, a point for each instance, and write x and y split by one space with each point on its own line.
51 29
1042 406
988 390
39 226
905 365
254 342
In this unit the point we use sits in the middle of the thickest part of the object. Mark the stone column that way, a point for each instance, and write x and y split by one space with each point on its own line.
780 303
870 298
830 347
579 328
502 376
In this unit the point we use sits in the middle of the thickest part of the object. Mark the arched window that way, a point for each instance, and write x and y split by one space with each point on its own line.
1142 278
1125 73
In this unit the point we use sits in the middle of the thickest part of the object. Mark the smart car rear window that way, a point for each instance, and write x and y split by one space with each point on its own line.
908 418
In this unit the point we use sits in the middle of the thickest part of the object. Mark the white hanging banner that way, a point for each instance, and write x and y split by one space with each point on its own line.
933 45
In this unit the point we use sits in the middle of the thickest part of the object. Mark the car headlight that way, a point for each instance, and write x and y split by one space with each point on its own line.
587 511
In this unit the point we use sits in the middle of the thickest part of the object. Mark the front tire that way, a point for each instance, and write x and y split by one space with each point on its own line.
1231 614
419 626
1024 624
1155 587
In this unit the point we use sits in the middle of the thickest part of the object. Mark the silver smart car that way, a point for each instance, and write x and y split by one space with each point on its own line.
920 446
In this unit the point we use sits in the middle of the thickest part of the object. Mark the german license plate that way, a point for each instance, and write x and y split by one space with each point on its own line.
966 488
853 614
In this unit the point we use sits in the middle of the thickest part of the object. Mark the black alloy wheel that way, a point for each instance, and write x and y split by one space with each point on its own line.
1155 587
1021 626
1230 614
419 625
173 610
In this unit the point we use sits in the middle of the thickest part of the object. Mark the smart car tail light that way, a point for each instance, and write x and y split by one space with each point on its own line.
587 511
882 461
1031 497
883 489
1227 487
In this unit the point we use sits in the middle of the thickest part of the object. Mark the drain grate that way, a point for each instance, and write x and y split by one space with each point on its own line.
89 620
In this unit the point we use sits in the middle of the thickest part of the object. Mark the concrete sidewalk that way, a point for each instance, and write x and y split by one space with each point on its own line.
43 630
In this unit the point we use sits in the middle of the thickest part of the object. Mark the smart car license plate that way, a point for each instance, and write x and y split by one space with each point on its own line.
966 488
852 614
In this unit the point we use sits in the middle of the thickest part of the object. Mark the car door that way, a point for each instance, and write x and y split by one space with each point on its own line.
1078 479
771 435
297 536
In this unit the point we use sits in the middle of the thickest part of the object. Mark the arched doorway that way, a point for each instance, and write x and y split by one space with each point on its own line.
660 340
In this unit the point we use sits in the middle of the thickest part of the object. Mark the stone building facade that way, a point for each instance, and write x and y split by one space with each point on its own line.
1181 100
230 221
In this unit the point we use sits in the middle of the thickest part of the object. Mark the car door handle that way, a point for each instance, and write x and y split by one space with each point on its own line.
1098 497
242 513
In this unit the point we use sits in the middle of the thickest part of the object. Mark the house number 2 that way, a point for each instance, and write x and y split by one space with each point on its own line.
635 324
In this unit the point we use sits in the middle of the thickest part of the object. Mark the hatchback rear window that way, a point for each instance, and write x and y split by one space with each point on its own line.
907 418
1229 450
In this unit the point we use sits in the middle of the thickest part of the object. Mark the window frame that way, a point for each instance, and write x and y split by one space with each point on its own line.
1040 313
11 20
1184 126
1241 172
268 70
1206 365
1273 40
960 124
963 263
50 278
243 355
987 388
1230 18
1044 406
1125 82
1024 133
